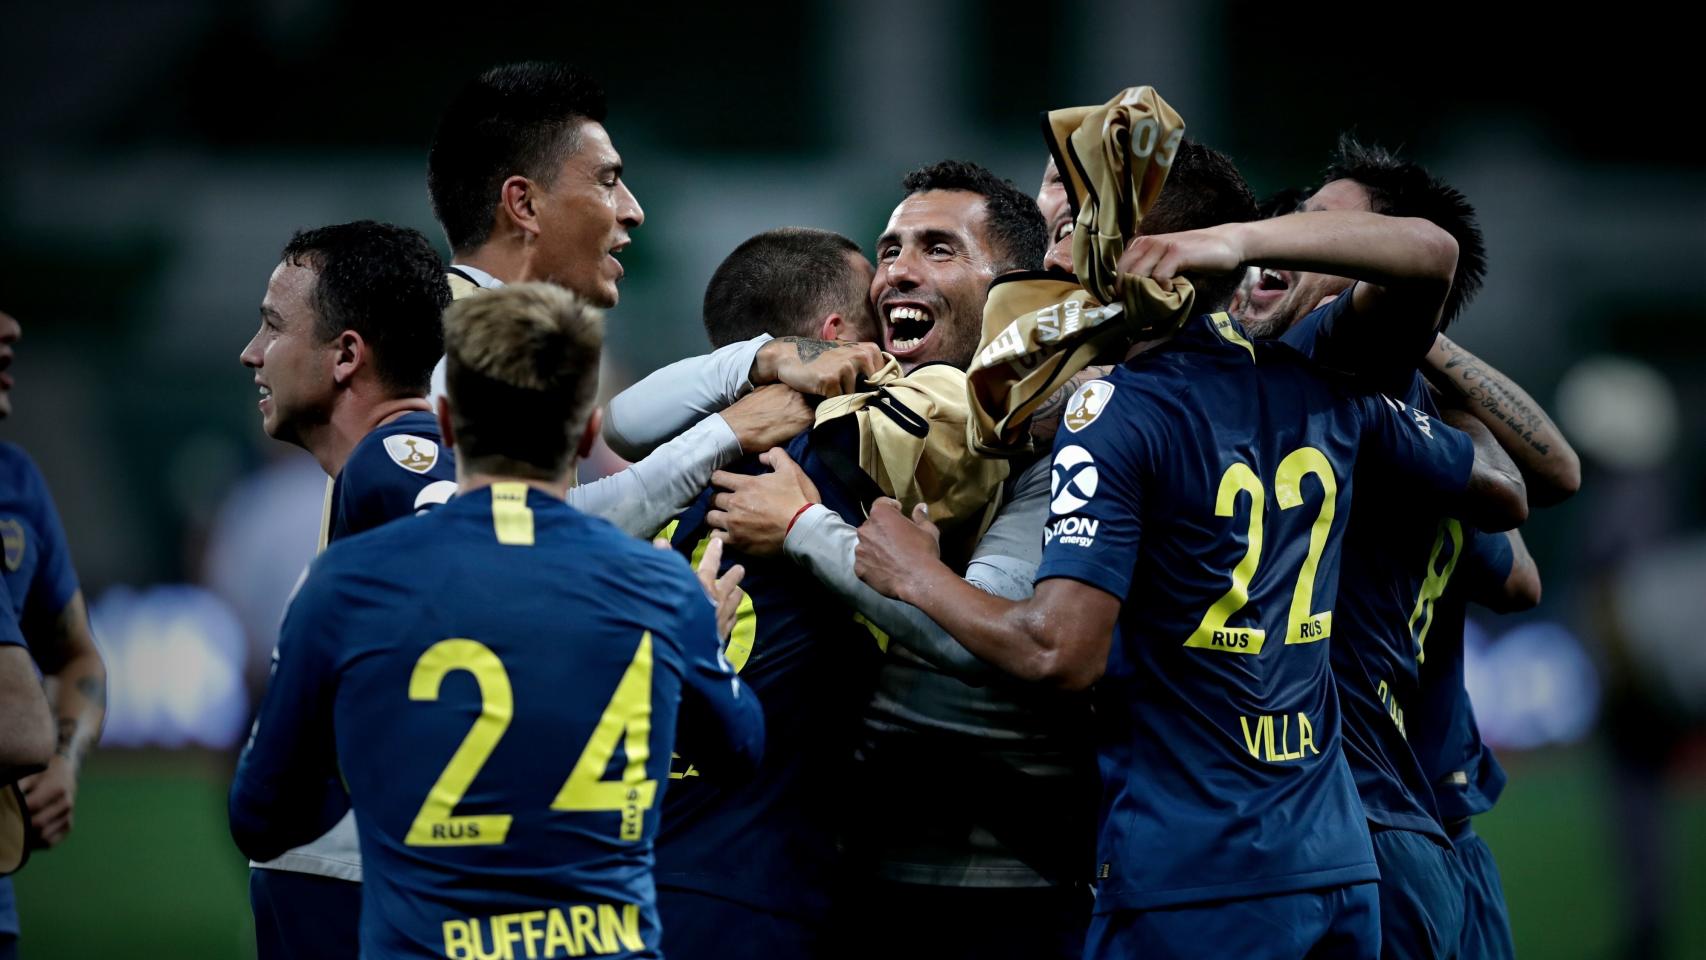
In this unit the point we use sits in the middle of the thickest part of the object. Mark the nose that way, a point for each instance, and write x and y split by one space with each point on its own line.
251 356
628 209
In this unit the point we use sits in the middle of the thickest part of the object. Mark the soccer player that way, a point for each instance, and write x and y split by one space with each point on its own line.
1230 824
474 675
349 334
54 618
528 186
749 870
1401 557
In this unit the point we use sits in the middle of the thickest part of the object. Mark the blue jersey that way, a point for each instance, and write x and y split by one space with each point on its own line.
772 843
498 683
399 469
37 563
1391 551
1206 484
1466 777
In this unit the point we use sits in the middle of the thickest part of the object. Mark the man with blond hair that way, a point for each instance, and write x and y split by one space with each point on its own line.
448 665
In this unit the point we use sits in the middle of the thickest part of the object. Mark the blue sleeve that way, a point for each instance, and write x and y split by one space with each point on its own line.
1095 517
1486 564
721 725
376 490
55 582
1337 338
286 791
1433 458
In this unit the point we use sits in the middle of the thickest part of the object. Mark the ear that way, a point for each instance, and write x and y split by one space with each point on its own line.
516 208
589 436
833 327
350 356
446 432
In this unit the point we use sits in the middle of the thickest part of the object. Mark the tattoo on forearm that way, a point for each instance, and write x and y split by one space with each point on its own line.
810 349
1471 379
67 734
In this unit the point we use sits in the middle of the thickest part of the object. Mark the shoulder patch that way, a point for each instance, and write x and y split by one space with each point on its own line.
1087 404
412 453
12 538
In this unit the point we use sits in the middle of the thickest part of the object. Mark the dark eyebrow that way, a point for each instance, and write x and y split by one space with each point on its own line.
610 167
937 235
267 311
887 238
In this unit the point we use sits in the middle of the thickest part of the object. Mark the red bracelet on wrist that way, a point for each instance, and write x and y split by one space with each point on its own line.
803 508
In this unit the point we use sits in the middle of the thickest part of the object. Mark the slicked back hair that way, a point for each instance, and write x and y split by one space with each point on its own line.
521 371
784 282
386 283
1402 188
1017 235
517 119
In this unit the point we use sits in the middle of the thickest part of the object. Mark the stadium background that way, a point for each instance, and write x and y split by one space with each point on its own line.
157 154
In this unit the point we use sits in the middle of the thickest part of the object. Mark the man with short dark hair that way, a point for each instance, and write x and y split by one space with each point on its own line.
791 281
528 186
1410 735
452 688
350 330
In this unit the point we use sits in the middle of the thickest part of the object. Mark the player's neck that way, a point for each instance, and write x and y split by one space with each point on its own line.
505 261
350 422
467 482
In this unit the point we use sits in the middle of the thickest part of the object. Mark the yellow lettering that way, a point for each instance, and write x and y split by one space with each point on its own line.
1268 734
1285 731
557 935
625 928
582 919
1305 735
531 933
1251 743
456 946
478 935
505 935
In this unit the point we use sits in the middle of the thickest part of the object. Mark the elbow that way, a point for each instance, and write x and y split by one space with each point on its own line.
1436 252
1066 671
1502 505
1524 593
30 746
614 438
249 832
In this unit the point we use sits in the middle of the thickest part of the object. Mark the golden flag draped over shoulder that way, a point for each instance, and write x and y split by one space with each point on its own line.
912 443
1039 330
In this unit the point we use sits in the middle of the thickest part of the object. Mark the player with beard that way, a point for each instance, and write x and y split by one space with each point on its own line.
1410 733
1177 416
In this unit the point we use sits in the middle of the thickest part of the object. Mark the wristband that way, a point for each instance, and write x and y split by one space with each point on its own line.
796 518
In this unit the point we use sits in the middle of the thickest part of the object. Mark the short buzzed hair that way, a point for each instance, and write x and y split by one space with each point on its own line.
784 282
521 371
517 119
1017 233
1203 189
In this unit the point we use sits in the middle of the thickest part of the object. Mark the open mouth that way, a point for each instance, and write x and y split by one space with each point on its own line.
1270 286
265 392
908 327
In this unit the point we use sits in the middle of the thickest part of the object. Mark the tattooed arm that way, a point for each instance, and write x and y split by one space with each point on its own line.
65 648
1046 420
1547 461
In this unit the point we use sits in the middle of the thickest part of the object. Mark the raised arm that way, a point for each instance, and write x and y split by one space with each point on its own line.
1546 459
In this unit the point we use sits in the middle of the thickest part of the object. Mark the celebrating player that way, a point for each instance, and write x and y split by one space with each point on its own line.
515 626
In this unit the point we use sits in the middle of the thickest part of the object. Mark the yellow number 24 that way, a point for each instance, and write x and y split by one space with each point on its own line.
627 718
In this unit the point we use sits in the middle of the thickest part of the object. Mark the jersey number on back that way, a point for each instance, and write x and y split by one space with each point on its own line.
1303 625
627 718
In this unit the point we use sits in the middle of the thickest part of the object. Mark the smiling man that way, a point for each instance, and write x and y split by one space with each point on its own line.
349 334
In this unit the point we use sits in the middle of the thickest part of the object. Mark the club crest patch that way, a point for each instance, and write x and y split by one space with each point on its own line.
12 539
412 453
1087 404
